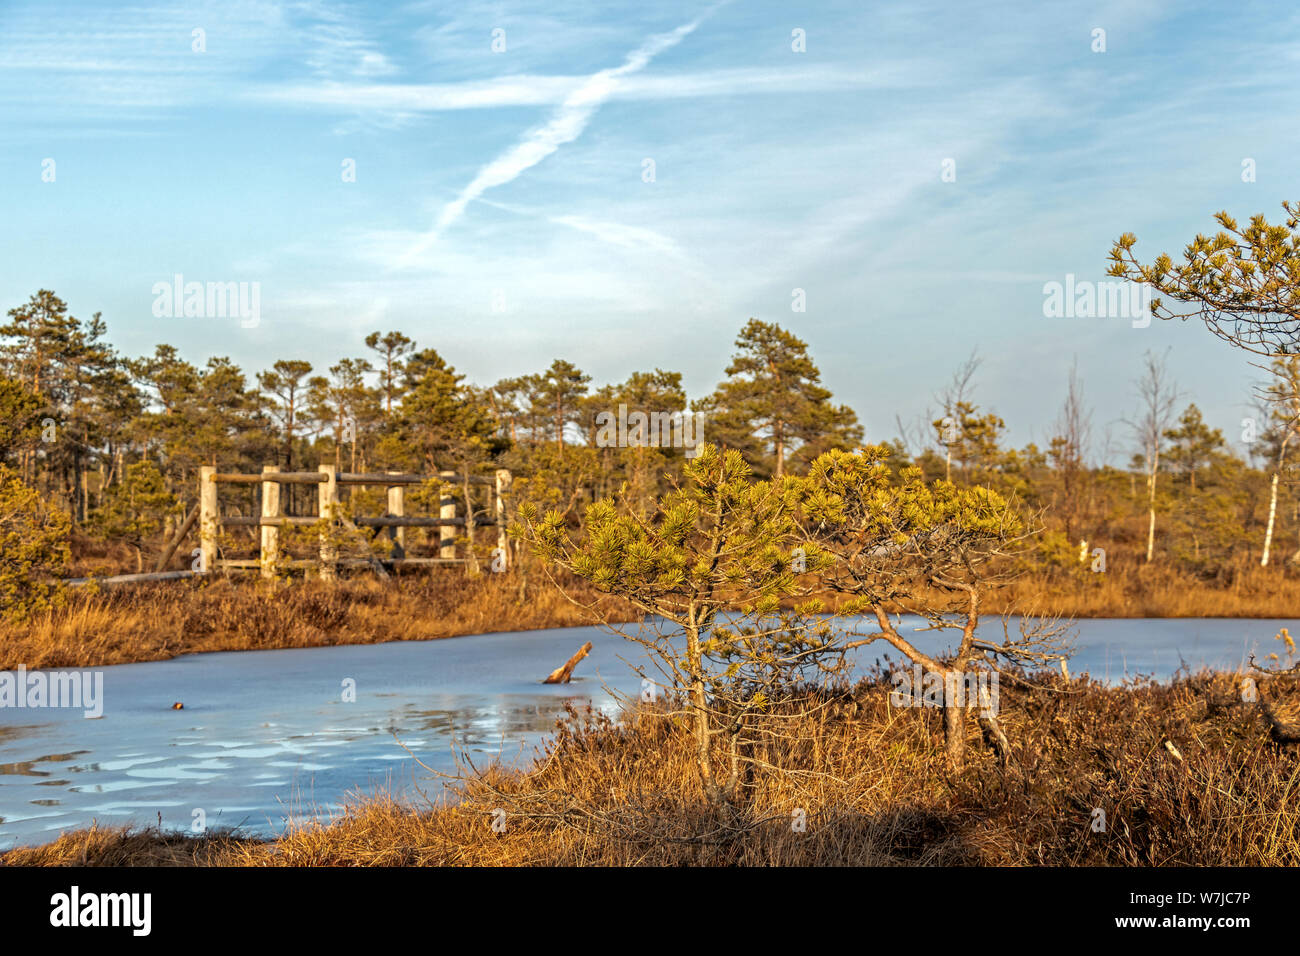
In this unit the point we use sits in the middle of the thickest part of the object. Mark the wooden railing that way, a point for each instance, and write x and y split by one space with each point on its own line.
272 517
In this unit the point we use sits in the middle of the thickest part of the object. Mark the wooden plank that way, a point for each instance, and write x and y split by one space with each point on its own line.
342 478
447 512
409 521
503 542
285 478
252 564
416 561
397 509
282 521
392 479
270 509
383 521
327 507
133 578
208 519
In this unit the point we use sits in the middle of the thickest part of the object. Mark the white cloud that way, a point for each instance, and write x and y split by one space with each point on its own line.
473 94
566 125
619 234
338 45
548 90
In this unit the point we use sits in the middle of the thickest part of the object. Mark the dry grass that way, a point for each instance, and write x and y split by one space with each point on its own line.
1130 587
1134 590
149 622
871 779
156 621
124 846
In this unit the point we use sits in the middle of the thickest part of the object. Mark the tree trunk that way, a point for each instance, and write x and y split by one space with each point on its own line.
993 731
1151 513
469 522
175 542
1272 509
699 707
954 724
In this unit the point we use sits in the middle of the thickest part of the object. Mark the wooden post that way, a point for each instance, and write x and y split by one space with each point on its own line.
502 558
270 509
207 520
327 499
397 508
447 509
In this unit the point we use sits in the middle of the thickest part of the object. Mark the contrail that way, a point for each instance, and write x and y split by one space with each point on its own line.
566 125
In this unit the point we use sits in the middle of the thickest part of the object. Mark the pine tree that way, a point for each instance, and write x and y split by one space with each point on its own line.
643 463
21 412
444 422
772 407
33 549
722 539
1280 437
135 508
1194 445
284 388
1241 282
559 396
339 404
391 349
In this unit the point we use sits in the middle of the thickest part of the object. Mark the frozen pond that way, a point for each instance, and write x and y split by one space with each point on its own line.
266 736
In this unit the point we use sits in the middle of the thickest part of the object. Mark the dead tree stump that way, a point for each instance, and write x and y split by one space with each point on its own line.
562 675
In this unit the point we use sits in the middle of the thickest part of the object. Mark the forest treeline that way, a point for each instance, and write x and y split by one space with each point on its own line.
115 442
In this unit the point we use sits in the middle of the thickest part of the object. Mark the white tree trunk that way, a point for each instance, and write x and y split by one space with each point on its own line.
1272 514
1151 511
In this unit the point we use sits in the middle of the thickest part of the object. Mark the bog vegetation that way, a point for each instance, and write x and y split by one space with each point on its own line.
1092 782
748 566
109 446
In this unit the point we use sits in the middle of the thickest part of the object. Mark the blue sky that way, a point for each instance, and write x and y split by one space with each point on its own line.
500 213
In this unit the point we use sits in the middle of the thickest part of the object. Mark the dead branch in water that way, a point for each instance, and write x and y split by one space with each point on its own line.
562 675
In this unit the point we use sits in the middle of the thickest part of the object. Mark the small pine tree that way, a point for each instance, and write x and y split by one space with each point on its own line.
721 541
33 549
934 549
134 509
